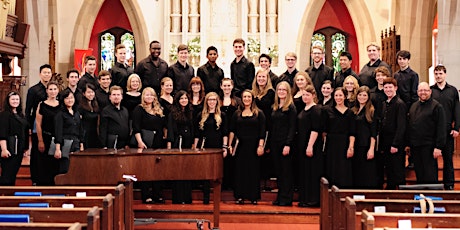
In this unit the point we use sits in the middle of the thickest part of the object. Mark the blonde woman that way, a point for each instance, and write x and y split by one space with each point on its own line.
351 85
132 97
301 81
166 98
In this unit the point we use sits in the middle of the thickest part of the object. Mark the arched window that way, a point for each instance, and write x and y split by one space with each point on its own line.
333 41
108 40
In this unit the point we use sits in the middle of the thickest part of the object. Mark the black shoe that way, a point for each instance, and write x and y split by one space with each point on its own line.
254 202
449 187
312 204
160 200
302 205
239 201
206 201
284 204
276 203
148 201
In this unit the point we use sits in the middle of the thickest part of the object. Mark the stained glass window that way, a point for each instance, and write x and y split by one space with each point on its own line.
107 51
318 39
338 45
128 40
333 41
108 40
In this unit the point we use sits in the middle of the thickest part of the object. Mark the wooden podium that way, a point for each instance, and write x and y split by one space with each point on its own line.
107 167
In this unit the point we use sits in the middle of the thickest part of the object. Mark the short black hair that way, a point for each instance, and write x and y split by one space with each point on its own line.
72 71
440 68
404 54
266 56
346 54
152 42
211 48
45 66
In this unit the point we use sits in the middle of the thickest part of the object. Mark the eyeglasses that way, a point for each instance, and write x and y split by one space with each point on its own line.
290 59
212 99
316 53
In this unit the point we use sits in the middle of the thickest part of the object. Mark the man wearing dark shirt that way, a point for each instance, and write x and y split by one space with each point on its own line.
89 76
377 94
447 95
120 71
407 79
291 60
392 131
242 70
345 61
152 68
72 78
427 135
265 62
210 73
35 95
318 71
181 72
366 75
102 92
114 127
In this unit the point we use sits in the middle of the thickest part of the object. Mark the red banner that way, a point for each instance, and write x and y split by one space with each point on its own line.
79 59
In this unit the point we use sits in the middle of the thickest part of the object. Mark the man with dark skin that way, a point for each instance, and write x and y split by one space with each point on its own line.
210 73
152 68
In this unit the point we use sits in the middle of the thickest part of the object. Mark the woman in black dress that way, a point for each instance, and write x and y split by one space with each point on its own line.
13 138
132 97
196 92
180 135
46 112
149 126
281 140
309 146
89 111
339 124
351 85
166 98
301 81
248 128
326 91
364 164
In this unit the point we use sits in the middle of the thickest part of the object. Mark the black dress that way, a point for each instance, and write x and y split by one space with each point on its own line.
228 181
364 170
310 168
89 121
166 106
130 102
67 126
249 130
339 127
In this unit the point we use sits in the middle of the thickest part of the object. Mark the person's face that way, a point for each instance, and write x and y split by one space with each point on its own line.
121 55
226 87
196 87
73 79
373 53
424 92
149 98
183 100
212 56
290 61
326 90
264 63
390 90
339 97
301 82
344 62
212 102
307 97
439 76
262 78
238 49
246 97
155 50
182 56
349 85
362 97
317 55
45 75
403 62
379 77
115 97
105 81
89 94
281 91
135 83
69 101
52 91
168 87
90 66
14 101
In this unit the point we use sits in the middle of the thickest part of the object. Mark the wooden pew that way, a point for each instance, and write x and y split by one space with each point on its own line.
355 207
106 202
371 220
122 203
325 215
87 217
40 226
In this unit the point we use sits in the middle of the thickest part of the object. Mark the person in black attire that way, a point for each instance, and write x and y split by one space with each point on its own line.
89 110
210 73
89 76
72 78
326 90
248 126
377 94
14 139
67 126
391 133
45 118
180 132
120 71
132 96
242 70
265 62
447 95
148 117
166 98
319 72
282 135
197 93
152 68
407 79
291 60
427 135
351 85
367 75
35 95
114 126
364 164
310 158
181 72
345 61
102 91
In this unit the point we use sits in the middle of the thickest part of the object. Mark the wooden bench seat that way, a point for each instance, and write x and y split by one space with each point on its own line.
41 226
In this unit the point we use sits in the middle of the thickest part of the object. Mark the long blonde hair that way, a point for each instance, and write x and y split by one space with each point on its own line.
155 108
288 101
308 80
205 111
255 86
355 90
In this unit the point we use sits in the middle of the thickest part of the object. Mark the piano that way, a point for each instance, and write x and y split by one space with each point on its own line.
107 167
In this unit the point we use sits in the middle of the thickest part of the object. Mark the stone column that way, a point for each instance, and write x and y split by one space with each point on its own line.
253 16
271 16
176 16
194 16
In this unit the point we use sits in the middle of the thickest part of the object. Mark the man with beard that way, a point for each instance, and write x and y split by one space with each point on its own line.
319 72
152 68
